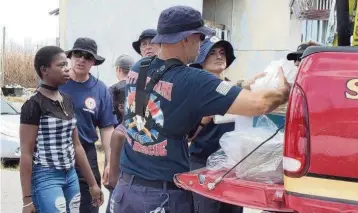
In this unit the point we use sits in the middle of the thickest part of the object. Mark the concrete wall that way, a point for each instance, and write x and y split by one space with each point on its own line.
114 24
260 31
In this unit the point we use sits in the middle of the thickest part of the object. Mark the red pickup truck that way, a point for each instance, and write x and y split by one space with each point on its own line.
320 158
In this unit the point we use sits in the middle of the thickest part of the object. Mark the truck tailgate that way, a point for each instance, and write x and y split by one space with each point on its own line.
233 190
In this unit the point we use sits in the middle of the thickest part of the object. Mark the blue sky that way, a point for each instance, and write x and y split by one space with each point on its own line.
28 19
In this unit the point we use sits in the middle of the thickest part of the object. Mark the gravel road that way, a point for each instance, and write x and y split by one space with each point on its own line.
11 193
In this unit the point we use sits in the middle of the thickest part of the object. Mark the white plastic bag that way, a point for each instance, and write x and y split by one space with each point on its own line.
270 80
227 118
263 165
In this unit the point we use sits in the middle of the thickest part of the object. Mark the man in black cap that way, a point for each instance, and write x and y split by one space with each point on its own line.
123 65
159 114
144 46
93 108
296 56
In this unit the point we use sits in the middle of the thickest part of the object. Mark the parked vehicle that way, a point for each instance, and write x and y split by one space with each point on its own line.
9 129
320 158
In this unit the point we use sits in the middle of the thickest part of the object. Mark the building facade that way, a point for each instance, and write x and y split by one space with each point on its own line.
260 31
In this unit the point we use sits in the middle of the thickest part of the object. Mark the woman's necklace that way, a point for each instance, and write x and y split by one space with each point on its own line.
63 108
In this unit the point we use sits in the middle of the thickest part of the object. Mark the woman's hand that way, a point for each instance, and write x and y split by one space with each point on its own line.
28 206
97 195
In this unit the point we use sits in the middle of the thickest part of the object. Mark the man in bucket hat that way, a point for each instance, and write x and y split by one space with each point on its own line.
93 108
159 114
144 46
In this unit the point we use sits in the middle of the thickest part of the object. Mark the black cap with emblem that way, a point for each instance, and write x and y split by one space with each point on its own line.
298 53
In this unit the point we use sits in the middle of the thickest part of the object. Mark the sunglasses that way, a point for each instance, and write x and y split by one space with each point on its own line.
85 55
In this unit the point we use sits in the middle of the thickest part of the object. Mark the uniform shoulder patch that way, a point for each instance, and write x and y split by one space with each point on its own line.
223 88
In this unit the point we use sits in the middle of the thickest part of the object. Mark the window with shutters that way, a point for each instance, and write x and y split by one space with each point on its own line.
314 15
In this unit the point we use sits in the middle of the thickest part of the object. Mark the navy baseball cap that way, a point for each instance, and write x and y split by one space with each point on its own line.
208 44
178 22
148 33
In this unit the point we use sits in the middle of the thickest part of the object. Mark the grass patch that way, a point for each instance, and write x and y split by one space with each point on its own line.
19 65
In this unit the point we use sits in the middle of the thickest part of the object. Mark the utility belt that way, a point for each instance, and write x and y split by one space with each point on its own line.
157 184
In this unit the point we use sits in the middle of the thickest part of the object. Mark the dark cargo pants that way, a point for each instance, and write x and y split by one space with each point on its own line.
130 198
206 205
86 198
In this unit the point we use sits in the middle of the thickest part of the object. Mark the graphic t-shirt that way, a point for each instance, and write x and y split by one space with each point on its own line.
182 97
93 107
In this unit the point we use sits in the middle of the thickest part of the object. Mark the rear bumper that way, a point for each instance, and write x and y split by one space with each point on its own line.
312 194
306 203
234 191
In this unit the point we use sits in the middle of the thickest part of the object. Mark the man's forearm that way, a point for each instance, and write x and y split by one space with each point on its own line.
106 134
273 99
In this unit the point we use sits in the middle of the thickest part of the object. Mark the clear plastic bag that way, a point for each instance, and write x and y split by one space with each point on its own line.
264 165
270 80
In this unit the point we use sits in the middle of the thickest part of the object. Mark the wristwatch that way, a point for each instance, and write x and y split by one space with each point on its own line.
239 83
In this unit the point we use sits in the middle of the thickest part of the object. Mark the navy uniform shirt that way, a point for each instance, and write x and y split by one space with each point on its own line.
207 141
93 107
178 102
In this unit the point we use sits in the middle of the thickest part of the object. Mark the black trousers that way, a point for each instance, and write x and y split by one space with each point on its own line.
206 205
86 198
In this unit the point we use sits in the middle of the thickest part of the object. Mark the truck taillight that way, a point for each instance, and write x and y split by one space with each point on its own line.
297 136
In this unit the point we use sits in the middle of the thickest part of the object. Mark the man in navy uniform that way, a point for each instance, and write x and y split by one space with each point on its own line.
93 108
159 114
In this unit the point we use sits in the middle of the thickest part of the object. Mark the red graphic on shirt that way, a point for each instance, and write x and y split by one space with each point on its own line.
158 149
163 88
